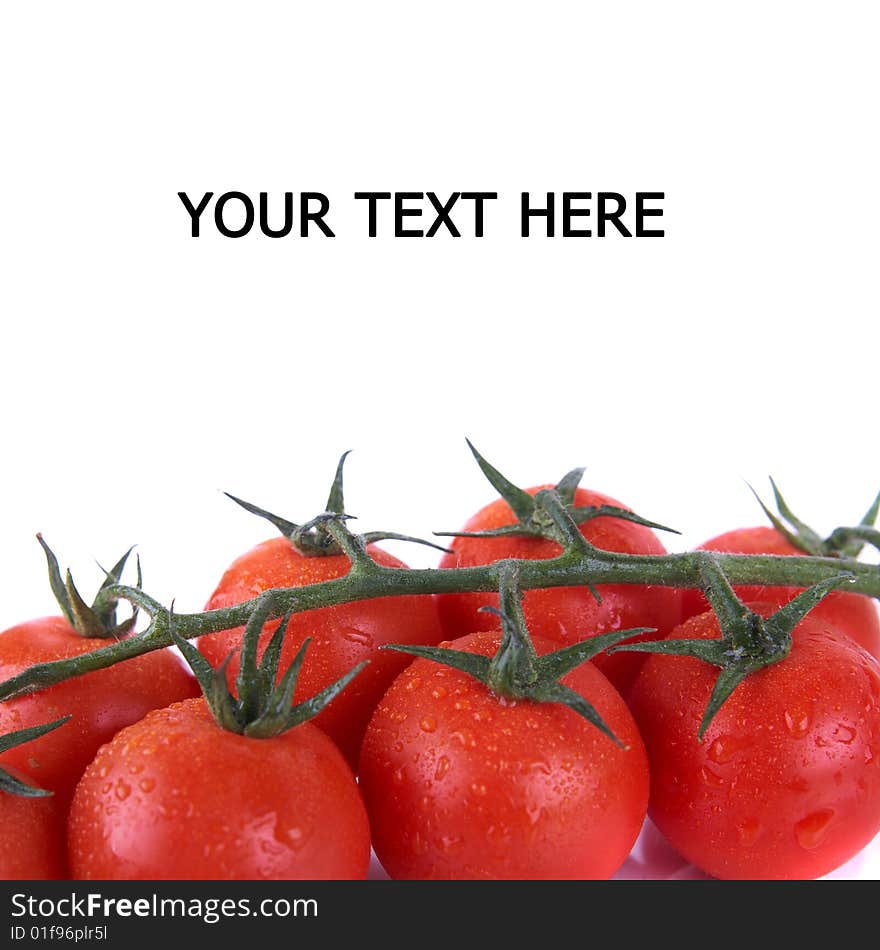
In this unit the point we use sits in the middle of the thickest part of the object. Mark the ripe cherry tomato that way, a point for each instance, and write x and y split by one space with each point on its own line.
460 783
786 782
852 614
33 846
176 797
565 614
101 702
342 636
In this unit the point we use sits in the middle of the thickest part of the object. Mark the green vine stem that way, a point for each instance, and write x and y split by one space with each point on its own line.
579 564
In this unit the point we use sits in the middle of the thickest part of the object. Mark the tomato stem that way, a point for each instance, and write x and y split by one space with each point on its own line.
548 514
516 671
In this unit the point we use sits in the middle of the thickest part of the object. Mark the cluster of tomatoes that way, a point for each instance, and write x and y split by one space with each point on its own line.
441 776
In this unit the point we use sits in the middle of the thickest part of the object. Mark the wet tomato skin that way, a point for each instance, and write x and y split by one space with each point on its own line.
176 797
564 614
33 845
786 782
100 703
852 614
461 784
342 635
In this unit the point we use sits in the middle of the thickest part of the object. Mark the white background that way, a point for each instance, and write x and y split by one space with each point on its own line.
143 371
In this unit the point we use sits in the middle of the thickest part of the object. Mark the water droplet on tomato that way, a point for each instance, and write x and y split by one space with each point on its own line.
844 734
123 790
498 835
748 832
438 692
710 778
427 724
461 704
146 785
398 776
465 738
425 802
449 844
353 635
811 830
442 767
412 683
419 844
296 838
33 763
725 748
478 788
797 722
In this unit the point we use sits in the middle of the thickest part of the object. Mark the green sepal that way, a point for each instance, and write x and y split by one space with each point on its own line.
287 528
532 518
555 665
8 782
56 582
107 614
578 515
262 709
516 671
521 502
278 705
589 512
213 683
307 709
567 486
850 541
98 620
85 622
317 538
560 693
272 654
336 499
250 684
473 664
372 537
843 542
748 641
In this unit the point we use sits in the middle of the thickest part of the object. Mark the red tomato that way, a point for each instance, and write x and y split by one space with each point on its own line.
786 782
852 614
101 702
32 840
565 614
460 783
176 797
342 636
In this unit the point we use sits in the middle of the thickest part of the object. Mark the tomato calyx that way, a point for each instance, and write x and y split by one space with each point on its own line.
316 538
261 709
99 620
516 671
8 782
533 520
843 542
749 642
